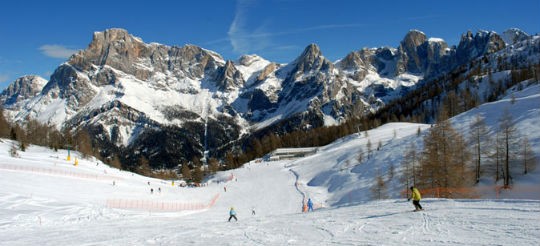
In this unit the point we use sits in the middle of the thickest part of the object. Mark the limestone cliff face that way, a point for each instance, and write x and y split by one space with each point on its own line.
120 50
22 88
409 48
472 46
131 95
228 77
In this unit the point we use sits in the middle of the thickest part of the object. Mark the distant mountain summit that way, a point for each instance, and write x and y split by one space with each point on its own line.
22 88
514 35
153 100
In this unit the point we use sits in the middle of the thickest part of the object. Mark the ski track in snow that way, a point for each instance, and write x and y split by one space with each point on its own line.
59 215
46 200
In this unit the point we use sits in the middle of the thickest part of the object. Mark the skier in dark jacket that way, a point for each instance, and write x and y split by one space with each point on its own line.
310 205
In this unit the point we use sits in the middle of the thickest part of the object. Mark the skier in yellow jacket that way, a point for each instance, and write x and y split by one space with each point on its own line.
415 196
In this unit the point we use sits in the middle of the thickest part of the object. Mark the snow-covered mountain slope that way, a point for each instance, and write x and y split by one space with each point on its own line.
127 93
46 200
341 179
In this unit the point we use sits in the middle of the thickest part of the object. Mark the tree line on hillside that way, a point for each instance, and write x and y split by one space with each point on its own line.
456 92
449 164
36 133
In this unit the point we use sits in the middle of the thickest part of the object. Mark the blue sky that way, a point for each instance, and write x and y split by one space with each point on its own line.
37 36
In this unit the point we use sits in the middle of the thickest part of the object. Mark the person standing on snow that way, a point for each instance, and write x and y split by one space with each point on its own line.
310 205
232 214
415 196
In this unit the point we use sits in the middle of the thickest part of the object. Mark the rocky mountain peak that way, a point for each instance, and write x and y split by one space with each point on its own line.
514 35
114 47
474 46
312 51
247 60
22 88
352 61
411 60
228 77
414 38
311 59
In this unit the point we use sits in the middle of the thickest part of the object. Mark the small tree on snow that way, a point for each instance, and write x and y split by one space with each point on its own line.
369 148
379 189
13 151
360 156
528 156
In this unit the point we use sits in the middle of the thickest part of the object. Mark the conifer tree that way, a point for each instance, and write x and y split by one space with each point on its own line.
444 158
508 135
479 137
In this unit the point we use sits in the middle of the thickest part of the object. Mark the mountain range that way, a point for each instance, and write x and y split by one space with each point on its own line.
171 104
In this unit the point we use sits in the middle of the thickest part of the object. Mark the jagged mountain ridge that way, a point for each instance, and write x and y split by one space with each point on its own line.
127 92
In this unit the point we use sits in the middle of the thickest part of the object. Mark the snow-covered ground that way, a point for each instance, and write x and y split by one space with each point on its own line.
47 200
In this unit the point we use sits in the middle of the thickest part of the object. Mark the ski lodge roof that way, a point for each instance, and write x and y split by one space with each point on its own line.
290 153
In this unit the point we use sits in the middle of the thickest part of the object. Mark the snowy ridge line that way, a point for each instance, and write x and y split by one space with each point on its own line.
160 206
49 171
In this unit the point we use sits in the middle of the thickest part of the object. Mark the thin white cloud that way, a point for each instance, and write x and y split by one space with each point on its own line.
56 51
3 77
243 40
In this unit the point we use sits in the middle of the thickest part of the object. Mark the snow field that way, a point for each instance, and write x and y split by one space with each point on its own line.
46 200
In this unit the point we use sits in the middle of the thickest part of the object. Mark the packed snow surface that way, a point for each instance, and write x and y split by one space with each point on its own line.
48 200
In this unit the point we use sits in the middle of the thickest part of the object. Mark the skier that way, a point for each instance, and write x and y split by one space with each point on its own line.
232 214
253 211
415 196
151 191
310 205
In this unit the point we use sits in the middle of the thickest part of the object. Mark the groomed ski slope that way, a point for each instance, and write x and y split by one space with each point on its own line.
46 200
57 205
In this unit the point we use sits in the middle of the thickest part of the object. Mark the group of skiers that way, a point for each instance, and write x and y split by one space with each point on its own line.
308 207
